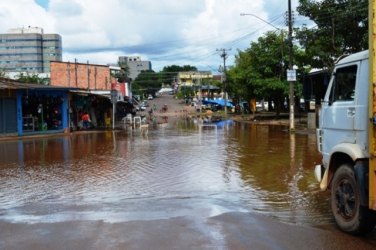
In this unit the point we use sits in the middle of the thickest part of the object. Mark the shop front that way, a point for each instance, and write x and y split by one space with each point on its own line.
32 109
96 104
42 111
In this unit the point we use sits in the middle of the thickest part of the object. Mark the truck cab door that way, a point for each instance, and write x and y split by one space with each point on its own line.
339 109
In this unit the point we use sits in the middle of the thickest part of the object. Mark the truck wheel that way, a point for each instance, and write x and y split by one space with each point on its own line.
349 215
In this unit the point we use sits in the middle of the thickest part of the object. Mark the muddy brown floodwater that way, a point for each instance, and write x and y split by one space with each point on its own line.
180 186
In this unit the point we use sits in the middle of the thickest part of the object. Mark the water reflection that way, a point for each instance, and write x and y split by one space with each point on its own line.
174 169
278 167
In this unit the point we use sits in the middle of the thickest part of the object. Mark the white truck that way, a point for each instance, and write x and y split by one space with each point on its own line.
345 138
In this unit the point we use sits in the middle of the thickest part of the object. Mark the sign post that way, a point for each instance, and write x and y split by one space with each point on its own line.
114 95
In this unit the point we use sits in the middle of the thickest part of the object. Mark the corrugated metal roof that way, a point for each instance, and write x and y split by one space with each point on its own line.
12 84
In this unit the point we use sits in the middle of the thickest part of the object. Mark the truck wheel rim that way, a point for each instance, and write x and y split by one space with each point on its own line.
345 199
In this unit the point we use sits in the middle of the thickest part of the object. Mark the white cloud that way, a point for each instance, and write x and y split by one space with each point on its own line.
220 23
166 31
101 58
23 13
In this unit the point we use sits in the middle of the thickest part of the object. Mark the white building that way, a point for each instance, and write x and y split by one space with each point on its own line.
135 65
29 50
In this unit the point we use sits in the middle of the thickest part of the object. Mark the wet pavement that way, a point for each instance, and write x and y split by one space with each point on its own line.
179 186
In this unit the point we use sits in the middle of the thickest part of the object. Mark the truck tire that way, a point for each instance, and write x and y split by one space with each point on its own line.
349 215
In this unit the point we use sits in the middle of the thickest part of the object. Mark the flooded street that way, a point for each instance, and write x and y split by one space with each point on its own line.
180 186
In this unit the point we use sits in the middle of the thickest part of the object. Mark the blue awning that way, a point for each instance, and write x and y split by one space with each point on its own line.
220 102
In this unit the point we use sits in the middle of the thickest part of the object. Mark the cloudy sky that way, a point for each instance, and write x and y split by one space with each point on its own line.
166 32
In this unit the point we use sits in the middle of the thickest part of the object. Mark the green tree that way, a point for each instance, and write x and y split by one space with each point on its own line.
149 82
31 78
185 92
176 68
242 78
146 83
269 55
341 27
259 70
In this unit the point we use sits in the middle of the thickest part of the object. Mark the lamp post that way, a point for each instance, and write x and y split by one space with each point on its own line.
114 101
259 18
275 27
291 82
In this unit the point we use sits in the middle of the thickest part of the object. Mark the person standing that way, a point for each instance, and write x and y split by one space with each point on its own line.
85 120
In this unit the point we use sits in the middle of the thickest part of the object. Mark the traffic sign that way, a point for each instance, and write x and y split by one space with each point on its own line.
291 75
114 95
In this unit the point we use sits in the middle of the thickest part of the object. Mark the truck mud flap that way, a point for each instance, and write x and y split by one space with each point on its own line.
361 176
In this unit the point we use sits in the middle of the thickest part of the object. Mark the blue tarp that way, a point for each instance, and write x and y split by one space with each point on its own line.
218 102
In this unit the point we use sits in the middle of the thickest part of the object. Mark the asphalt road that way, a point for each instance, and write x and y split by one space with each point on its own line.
225 231
174 107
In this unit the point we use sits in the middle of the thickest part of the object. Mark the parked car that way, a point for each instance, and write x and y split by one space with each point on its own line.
261 106
150 97
141 108
144 103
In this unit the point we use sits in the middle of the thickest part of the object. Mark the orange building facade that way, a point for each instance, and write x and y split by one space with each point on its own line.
81 75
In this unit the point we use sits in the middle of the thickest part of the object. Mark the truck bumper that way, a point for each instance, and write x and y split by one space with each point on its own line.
321 175
319 172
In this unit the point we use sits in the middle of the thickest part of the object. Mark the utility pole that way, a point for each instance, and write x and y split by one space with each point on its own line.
88 75
224 56
292 77
68 69
75 70
95 78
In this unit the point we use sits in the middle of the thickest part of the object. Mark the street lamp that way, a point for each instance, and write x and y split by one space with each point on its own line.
275 27
291 86
259 18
